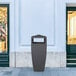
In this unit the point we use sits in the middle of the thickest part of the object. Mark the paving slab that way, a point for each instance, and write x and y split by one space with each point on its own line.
28 71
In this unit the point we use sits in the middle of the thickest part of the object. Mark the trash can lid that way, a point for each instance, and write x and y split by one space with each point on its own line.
39 39
38 36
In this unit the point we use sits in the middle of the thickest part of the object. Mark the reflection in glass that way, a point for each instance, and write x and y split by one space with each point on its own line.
3 29
71 27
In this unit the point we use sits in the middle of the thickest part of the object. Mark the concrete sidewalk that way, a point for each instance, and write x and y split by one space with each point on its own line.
29 72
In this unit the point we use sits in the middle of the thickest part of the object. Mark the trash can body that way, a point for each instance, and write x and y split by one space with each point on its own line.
39 53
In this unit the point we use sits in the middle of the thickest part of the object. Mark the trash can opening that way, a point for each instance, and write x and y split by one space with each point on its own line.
38 40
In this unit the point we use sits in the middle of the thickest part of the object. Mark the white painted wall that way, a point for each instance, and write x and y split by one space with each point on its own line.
50 14
33 15
40 17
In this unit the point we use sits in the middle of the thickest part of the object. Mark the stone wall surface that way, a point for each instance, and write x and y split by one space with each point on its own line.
24 59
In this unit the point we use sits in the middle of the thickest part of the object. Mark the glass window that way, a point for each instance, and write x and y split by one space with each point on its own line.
71 27
3 29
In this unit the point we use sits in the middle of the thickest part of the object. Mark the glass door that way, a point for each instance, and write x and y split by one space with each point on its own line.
71 36
4 32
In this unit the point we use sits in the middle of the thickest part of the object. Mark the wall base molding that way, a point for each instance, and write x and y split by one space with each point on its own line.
24 59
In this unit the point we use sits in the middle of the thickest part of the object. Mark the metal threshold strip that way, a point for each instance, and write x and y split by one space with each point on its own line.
72 59
71 63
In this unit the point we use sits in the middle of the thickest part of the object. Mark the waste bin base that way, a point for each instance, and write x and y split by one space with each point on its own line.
38 70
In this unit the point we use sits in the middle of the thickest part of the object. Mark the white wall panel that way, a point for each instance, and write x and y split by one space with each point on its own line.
41 17
60 23
36 17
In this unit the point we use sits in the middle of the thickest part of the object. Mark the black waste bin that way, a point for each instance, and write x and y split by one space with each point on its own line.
38 47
